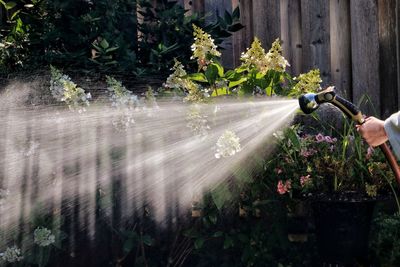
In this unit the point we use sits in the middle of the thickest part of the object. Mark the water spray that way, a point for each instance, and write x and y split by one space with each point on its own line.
311 101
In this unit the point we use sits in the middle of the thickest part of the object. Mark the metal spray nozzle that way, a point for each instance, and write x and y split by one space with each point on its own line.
311 101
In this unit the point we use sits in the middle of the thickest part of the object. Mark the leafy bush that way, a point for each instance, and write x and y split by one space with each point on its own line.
102 34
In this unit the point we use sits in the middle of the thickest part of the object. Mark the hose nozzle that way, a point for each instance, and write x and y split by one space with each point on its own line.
311 101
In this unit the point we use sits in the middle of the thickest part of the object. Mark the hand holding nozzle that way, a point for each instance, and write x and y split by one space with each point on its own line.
373 131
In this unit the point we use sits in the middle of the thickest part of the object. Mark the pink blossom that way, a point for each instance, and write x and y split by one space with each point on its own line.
283 188
320 138
278 170
304 180
308 152
370 151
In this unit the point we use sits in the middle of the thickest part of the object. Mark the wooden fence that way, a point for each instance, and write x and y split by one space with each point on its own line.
354 43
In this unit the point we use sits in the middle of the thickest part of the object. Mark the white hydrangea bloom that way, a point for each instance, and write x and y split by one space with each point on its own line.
203 46
197 122
64 90
11 254
228 144
124 102
43 237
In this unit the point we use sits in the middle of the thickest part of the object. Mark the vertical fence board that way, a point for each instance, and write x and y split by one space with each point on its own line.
291 34
266 21
388 62
215 8
243 38
315 37
365 52
198 6
340 46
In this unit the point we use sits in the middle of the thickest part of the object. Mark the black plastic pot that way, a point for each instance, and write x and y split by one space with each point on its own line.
342 230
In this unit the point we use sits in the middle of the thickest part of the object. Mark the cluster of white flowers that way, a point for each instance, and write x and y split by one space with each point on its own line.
176 80
11 254
64 90
124 101
255 56
43 237
228 144
197 122
203 47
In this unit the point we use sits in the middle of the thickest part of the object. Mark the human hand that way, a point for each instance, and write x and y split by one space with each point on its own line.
373 131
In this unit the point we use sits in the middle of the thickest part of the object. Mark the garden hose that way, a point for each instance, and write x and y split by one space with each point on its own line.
310 102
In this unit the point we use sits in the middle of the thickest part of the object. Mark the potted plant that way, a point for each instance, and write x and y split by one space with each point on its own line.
340 176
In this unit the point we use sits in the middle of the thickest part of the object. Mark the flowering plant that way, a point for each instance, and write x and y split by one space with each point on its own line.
321 164
261 73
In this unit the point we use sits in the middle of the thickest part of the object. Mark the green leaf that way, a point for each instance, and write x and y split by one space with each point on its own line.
211 73
220 195
218 234
219 68
112 49
238 82
128 245
198 77
199 243
241 69
228 18
235 27
230 74
9 5
293 138
104 44
236 13
147 240
221 91
228 242
213 218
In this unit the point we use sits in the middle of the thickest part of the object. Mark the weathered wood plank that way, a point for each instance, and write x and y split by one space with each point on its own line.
198 6
365 52
315 37
388 62
291 34
217 8
340 46
243 38
266 21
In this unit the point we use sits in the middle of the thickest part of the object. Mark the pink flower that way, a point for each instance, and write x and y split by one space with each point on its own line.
283 188
370 151
278 170
320 138
307 152
304 180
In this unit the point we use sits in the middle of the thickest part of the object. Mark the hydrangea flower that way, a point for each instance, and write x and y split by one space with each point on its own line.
274 58
43 237
307 82
197 122
283 188
203 47
64 90
124 101
176 80
255 56
228 144
11 254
